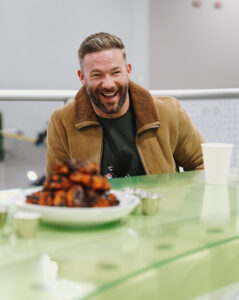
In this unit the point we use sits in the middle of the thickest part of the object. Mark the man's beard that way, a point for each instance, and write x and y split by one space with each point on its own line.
95 98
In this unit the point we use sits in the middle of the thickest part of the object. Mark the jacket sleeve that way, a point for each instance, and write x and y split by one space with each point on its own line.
188 151
57 150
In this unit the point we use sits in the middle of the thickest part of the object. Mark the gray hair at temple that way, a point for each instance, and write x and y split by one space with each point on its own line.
98 42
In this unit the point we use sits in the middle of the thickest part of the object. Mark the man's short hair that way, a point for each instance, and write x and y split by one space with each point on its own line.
98 42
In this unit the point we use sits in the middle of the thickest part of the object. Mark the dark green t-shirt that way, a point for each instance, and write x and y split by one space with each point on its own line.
119 134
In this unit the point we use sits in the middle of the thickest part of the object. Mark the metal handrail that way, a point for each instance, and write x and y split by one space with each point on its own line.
199 94
65 95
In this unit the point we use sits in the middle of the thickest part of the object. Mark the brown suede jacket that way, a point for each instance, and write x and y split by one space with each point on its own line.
165 135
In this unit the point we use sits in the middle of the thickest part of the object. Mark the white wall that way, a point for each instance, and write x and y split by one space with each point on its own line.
40 38
39 44
193 47
170 44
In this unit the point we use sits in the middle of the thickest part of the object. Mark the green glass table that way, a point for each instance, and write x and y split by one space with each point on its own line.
188 250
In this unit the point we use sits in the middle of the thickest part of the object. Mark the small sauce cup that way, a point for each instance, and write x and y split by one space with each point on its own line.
3 215
150 203
26 223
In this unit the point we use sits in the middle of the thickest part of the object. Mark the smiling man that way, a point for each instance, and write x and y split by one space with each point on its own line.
111 113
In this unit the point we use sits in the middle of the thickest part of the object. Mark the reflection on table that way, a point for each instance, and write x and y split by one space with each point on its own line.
189 250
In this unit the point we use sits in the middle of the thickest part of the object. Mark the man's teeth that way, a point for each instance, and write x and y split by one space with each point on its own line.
109 95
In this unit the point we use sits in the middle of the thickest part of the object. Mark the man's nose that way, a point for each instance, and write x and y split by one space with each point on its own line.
108 82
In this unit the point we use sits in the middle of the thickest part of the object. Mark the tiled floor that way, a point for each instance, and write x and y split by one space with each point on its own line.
19 158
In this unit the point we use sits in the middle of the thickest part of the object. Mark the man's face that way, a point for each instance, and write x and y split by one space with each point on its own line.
106 78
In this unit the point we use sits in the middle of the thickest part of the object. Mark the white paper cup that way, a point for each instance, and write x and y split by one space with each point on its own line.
216 158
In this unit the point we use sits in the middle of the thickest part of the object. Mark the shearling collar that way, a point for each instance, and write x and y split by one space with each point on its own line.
146 114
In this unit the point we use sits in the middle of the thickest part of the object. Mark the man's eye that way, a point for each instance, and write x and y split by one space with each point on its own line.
95 75
116 72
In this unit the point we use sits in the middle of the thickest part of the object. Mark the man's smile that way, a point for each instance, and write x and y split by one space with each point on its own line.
109 96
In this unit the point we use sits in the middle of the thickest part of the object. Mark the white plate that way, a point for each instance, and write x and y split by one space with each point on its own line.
82 215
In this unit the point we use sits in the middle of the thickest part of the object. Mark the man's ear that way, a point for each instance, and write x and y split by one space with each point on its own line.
129 70
81 76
